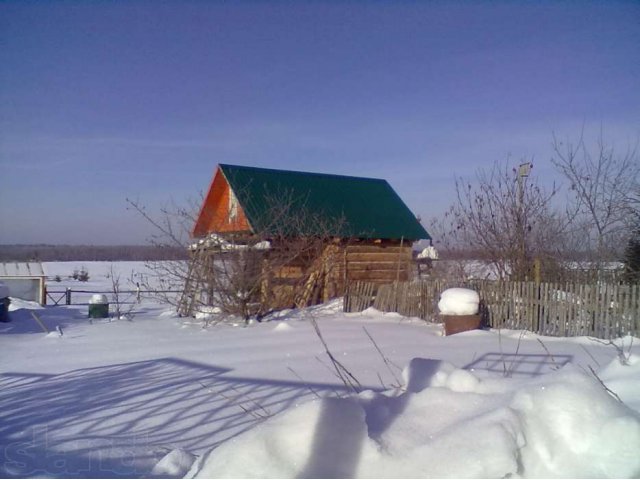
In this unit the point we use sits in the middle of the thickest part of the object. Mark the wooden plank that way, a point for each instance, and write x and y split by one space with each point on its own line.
381 256
589 306
628 309
597 320
572 319
544 317
582 310
544 289
529 305
533 300
286 281
613 308
563 310
554 324
635 305
376 249
288 272
525 306
538 318
552 317
358 266
37 319
513 314
623 310
375 275
524 302
605 312
610 306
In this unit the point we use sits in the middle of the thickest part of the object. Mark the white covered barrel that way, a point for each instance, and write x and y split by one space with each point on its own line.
98 306
459 309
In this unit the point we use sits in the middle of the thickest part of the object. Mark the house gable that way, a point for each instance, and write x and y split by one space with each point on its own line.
221 212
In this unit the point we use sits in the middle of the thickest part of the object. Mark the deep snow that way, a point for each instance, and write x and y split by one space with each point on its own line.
112 398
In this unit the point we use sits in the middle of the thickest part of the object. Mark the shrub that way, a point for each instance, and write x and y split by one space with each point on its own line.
83 275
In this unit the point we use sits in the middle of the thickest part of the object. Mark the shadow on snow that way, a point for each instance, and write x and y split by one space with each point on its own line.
119 420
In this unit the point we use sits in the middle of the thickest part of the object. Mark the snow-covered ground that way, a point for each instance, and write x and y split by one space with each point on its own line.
112 398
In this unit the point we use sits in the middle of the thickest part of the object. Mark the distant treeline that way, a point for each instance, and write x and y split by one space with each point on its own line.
88 253
470 254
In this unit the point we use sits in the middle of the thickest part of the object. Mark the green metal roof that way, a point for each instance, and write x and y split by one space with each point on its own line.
352 206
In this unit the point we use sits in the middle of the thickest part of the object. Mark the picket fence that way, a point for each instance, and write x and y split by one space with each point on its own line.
554 309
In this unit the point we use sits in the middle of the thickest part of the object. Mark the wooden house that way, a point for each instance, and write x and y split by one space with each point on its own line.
366 229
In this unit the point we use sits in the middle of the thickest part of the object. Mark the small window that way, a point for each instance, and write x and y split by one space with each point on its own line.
233 207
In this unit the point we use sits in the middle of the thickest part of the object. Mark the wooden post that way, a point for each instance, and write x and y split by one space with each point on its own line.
399 259
37 319
345 277
537 267
43 291
68 296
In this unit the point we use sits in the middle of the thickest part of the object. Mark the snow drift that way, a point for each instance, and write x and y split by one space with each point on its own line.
446 423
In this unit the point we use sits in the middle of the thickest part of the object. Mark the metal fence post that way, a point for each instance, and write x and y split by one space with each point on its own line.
68 296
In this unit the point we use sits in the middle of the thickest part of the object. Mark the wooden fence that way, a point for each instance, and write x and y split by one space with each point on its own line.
55 298
554 309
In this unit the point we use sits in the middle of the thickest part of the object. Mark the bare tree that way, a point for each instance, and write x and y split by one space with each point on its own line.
171 233
507 217
603 189
283 262
121 299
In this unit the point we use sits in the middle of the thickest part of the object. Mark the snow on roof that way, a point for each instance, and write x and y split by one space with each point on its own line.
429 252
215 240
21 269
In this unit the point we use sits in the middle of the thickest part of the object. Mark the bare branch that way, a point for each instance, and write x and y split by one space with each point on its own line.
507 217
603 186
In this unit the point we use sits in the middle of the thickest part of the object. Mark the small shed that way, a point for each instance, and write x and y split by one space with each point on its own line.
26 280
368 229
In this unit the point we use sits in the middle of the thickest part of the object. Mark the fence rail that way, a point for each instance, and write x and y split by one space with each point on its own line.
65 297
554 309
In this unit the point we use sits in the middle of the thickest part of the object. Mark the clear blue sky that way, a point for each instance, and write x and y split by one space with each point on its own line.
100 101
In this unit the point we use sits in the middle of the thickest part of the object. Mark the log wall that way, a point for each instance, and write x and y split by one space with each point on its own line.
308 281
378 264
341 264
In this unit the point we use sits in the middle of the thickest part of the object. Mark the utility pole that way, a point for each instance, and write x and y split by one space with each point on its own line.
523 172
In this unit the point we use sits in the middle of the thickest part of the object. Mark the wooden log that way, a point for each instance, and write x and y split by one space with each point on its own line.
351 249
635 305
382 256
288 272
286 281
376 275
357 266
626 310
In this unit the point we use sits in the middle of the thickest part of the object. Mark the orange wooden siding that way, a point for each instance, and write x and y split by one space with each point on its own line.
214 214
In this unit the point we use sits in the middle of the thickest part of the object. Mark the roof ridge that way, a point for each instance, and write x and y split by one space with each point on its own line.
298 172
